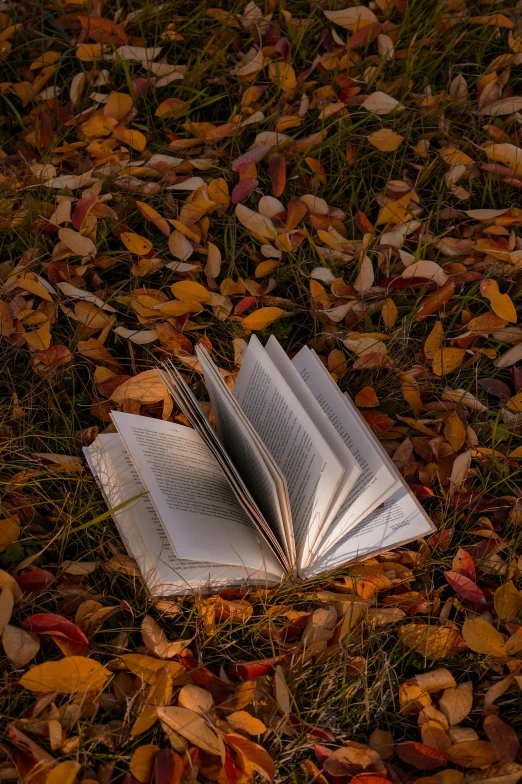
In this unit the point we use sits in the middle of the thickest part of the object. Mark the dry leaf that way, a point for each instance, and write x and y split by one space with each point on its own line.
482 637
193 727
66 676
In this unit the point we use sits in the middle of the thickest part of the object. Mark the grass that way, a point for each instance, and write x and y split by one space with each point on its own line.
63 515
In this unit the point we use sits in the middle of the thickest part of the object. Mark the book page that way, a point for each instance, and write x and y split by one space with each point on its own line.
400 520
310 467
257 468
143 533
321 421
378 479
193 498
186 400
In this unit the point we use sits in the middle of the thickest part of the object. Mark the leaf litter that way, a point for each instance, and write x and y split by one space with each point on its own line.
345 179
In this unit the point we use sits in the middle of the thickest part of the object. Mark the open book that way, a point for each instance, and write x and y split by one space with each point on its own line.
291 480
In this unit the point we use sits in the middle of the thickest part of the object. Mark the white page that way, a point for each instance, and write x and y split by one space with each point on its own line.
322 423
191 493
250 457
378 479
401 520
190 406
143 533
310 467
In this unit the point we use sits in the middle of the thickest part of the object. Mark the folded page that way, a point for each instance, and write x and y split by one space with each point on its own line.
190 406
143 532
310 467
400 520
322 423
193 498
378 479
258 470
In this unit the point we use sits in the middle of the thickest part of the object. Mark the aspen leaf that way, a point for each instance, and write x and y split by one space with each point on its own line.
193 727
142 762
426 269
482 637
146 387
130 137
256 755
501 304
382 742
6 607
147 667
446 360
117 105
66 676
506 153
244 722
385 140
154 217
503 737
366 398
156 641
283 75
365 277
459 471
282 692
435 680
420 755
9 532
180 246
136 244
262 318
19 646
472 754
380 103
455 432
76 242
190 291
456 703
254 222
431 641
433 343
158 695
195 698
508 602
64 773
389 313
352 18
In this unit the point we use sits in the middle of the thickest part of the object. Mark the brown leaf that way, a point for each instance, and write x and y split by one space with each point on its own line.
503 737
472 754
456 703
192 727
508 603
142 762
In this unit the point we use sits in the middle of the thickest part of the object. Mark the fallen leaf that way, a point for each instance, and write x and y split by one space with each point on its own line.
66 676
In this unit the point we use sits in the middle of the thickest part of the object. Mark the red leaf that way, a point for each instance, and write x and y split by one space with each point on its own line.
421 491
408 283
250 670
277 173
58 626
463 564
466 589
35 581
369 778
243 189
495 387
365 35
478 501
168 767
103 30
420 756
378 422
363 223
244 304
254 155
295 212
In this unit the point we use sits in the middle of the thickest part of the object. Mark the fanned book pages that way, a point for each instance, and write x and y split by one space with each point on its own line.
290 481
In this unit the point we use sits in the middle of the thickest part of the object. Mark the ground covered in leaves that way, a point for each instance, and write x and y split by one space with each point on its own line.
347 177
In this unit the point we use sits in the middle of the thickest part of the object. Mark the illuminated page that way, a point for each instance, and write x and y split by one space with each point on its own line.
400 520
310 467
192 496
143 532
378 479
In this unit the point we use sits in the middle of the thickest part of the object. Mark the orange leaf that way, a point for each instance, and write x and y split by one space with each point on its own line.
366 398
501 304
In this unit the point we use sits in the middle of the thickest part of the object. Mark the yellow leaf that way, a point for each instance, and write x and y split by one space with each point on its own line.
130 137
389 313
118 105
146 387
455 432
431 641
218 192
195 698
456 702
66 676
244 722
482 637
190 291
262 318
283 75
142 762
501 304
158 695
508 602
64 773
29 283
515 403
146 667
352 18
152 215
258 757
88 53
136 244
506 153
94 318
9 532
385 140
193 727
433 342
447 360
76 242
